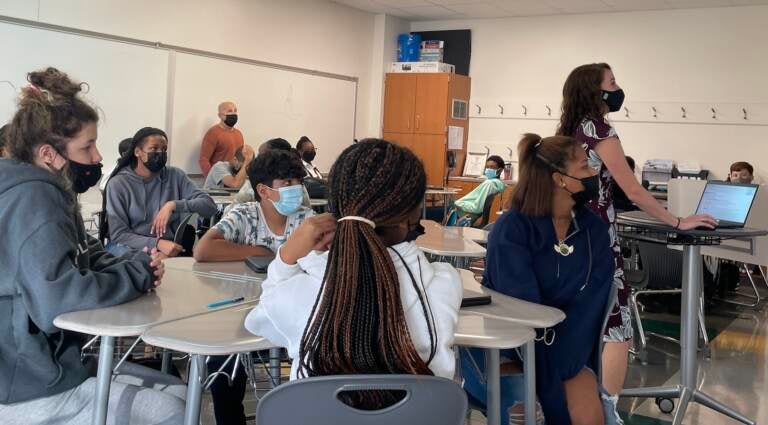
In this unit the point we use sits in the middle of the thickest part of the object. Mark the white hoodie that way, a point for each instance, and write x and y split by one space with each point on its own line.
289 292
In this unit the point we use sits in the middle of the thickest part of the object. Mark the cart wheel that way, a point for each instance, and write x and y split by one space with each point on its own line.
666 405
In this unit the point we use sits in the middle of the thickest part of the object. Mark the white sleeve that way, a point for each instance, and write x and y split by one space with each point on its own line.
444 293
288 295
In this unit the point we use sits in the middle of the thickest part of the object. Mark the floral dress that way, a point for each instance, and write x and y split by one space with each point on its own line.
589 134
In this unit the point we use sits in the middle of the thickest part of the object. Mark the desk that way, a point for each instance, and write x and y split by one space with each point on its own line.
479 236
222 332
224 201
182 294
319 205
440 242
447 192
230 270
639 225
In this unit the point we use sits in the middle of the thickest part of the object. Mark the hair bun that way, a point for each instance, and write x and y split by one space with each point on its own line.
55 82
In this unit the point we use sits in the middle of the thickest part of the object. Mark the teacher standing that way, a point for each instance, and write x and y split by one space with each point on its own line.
589 94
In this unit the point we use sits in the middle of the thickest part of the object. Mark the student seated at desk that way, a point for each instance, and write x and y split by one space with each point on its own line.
550 249
470 207
260 227
230 173
256 228
51 266
405 309
741 172
146 200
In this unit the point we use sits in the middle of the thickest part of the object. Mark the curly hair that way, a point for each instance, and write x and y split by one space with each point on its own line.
272 165
582 97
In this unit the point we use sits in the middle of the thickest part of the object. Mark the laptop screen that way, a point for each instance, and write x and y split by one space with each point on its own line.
727 202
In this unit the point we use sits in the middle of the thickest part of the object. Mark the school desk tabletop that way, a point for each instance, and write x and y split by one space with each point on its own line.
182 294
223 332
439 241
476 235
231 270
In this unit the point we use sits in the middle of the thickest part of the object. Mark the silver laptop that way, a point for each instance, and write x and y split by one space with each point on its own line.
727 202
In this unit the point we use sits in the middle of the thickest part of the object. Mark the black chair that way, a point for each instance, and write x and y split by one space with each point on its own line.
486 211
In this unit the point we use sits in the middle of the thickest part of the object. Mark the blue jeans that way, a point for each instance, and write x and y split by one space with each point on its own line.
512 386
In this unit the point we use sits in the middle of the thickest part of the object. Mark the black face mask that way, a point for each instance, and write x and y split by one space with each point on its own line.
414 233
84 176
614 99
591 190
308 156
156 161
230 120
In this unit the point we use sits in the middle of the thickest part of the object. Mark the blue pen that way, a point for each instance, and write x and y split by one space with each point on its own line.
225 302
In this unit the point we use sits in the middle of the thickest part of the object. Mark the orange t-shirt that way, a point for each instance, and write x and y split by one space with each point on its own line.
219 144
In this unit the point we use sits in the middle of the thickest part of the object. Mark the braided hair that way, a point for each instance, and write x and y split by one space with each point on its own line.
358 325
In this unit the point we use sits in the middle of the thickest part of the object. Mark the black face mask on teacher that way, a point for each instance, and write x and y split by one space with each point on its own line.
614 99
230 120
308 156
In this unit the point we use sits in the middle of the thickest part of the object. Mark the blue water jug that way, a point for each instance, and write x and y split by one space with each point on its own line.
408 47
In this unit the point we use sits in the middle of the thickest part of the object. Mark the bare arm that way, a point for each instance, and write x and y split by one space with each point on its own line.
612 154
213 247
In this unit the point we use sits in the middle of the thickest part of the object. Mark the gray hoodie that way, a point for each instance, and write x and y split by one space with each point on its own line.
50 266
133 202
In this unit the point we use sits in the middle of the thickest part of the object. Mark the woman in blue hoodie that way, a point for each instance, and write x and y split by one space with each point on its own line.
146 200
50 266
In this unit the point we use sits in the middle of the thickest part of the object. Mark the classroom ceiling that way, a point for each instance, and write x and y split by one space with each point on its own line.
430 10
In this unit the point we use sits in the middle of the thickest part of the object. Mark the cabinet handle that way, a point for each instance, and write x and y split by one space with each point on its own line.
417 122
408 124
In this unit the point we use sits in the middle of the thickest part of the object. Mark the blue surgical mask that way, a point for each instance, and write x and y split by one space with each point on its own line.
291 198
491 173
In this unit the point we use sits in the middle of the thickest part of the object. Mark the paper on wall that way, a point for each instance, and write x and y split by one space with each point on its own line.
455 137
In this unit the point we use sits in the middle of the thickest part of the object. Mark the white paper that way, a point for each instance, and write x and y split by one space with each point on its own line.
474 165
455 137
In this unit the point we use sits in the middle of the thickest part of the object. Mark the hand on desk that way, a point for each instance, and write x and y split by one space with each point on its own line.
702 221
315 233
169 248
156 262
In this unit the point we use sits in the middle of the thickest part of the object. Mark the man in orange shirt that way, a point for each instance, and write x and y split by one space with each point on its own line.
222 140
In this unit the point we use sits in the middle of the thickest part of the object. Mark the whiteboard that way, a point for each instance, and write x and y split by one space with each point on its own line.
127 82
271 103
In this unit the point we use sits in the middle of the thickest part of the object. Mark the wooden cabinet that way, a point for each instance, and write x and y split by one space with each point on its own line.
417 113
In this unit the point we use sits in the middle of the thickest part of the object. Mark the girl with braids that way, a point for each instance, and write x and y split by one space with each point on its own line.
550 250
589 94
377 305
51 266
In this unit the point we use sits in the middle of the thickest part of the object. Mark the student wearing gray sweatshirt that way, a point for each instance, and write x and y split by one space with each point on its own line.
50 266
146 200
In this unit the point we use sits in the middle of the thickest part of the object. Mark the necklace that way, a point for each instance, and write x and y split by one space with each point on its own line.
561 247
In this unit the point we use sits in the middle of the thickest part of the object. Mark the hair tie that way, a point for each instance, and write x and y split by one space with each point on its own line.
536 146
357 218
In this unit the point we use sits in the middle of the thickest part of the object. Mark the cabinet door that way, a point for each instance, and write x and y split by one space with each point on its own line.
399 102
430 148
431 103
403 139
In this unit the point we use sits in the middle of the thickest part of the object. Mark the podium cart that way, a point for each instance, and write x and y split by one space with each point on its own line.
640 226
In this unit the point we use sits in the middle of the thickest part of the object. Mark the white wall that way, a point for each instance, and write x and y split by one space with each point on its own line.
384 51
688 56
317 34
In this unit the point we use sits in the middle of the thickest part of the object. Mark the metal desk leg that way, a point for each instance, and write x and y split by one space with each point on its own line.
529 369
103 379
194 389
493 382
274 365
165 366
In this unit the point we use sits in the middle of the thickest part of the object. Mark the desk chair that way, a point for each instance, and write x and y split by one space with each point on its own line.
429 400
486 211
661 274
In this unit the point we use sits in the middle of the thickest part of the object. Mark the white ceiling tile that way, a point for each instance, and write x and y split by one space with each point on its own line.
527 7
403 3
480 10
685 4
453 2
433 12
368 6
748 2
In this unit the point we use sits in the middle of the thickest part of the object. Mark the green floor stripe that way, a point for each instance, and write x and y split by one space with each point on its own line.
671 329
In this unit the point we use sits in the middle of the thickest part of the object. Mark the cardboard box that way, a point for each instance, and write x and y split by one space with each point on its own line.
422 67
